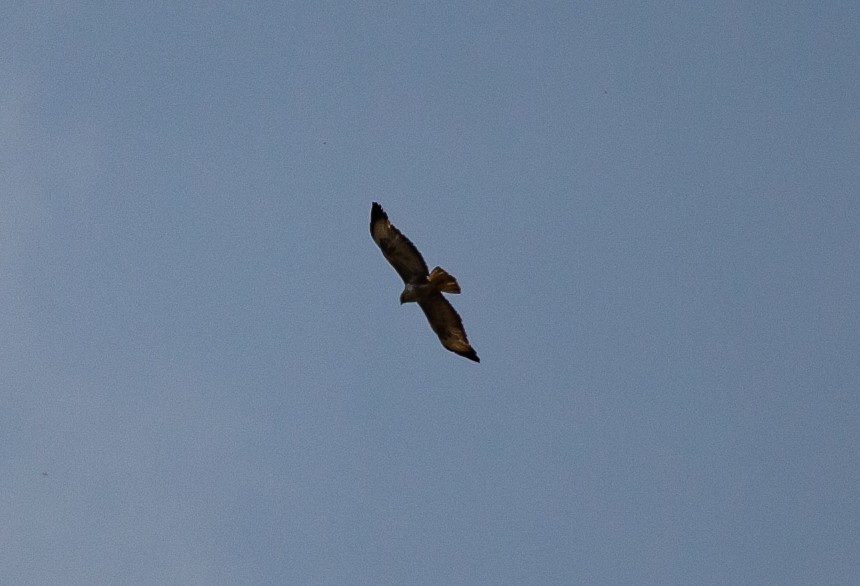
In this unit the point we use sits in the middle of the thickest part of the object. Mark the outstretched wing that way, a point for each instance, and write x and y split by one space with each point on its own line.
396 247
448 326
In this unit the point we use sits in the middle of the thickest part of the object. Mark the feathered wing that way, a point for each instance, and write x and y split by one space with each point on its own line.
396 247
447 324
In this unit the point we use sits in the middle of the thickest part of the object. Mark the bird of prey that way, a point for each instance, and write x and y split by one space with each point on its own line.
422 287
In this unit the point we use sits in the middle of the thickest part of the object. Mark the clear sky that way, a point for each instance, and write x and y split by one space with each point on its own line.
652 209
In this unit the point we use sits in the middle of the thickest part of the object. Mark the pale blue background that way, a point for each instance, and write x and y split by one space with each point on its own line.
652 208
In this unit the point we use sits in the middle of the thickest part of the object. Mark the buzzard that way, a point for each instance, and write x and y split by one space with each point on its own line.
422 287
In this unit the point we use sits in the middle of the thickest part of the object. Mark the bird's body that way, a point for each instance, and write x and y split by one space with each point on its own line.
421 286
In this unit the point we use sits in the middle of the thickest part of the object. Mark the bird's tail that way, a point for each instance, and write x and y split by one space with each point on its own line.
443 281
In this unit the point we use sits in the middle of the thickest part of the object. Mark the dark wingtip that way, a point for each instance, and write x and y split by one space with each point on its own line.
471 355
377 213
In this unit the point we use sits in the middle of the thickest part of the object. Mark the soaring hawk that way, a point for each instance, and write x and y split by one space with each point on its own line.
422 287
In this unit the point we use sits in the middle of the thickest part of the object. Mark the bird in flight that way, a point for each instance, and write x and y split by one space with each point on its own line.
422 287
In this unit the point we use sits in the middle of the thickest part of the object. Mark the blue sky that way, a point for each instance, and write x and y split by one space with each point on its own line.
652 209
